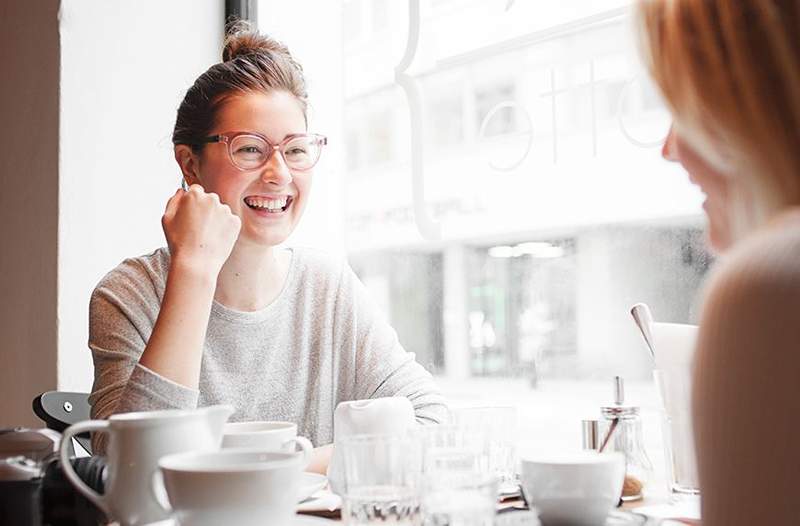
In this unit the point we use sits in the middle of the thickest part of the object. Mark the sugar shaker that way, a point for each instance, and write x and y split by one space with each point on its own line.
627 439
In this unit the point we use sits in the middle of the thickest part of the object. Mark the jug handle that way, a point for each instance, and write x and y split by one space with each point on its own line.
63 453
306 448
160 491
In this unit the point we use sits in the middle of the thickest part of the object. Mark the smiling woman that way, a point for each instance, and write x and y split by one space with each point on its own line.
251 175
223 316
730 72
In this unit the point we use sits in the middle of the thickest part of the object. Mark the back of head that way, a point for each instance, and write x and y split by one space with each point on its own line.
730 72
251 62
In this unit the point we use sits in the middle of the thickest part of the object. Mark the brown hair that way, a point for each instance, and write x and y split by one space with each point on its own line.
250 62
730 72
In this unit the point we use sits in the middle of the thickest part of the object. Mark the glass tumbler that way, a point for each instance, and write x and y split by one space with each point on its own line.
381 477
458 488
496 428
674 390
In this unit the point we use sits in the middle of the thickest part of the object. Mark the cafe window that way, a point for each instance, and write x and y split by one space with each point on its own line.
495 115
547 210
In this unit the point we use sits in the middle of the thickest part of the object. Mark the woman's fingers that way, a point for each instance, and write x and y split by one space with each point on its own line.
200 227
172 203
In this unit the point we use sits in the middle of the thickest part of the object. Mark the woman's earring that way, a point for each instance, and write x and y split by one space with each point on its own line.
184 185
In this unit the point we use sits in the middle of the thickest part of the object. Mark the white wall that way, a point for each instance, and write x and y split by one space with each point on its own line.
28 205
86 159
124 69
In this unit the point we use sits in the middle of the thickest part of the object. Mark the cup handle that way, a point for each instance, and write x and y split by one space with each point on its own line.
306 447
160 491
63 454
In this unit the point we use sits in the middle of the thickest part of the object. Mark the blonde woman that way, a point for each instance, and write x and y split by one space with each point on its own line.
730 73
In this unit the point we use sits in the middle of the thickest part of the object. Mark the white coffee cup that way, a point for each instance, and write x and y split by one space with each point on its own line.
235 486
267 436
573 489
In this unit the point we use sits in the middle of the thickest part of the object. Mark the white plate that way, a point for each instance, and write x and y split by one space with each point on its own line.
310 483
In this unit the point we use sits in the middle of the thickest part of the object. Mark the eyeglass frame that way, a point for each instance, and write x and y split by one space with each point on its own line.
228 137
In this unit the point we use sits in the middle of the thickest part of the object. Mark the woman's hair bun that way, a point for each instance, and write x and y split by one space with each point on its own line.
242 39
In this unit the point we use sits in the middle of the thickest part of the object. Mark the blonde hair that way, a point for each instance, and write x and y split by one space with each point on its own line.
730 73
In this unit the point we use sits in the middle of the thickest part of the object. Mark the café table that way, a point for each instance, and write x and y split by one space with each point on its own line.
655 503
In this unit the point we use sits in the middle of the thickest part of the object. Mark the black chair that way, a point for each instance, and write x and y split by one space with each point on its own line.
60 409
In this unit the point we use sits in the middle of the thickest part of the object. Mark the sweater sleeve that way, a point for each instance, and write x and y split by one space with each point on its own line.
746 393
382 367
122 313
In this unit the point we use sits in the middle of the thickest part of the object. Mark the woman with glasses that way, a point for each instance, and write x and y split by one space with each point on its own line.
222 315
730 73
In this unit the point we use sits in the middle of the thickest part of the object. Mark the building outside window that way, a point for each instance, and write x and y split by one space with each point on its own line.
547 210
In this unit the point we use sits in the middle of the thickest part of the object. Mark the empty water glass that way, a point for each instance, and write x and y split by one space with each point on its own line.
458 488
450 449
496 428
459 500
381 475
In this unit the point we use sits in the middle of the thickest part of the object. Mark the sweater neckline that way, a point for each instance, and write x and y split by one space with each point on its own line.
221 311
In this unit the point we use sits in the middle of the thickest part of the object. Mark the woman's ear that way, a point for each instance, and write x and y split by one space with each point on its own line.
189 164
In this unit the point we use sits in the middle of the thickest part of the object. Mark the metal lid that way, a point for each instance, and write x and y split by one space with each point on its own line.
618 409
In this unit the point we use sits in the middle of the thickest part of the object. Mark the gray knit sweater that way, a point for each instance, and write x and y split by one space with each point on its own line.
320 342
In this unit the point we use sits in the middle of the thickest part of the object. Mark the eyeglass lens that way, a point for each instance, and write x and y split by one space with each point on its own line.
250 152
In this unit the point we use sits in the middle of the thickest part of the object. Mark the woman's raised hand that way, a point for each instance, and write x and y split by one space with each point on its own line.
200 230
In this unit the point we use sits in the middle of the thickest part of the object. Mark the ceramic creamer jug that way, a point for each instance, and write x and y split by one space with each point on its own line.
136 441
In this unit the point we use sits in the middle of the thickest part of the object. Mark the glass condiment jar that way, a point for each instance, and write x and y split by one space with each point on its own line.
626 438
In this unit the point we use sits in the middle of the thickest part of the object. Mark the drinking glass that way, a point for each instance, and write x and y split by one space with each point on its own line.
381 475
675 345
459 500
458 489
674 391
496 428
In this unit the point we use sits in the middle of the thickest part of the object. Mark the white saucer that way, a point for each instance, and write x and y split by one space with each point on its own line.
310 483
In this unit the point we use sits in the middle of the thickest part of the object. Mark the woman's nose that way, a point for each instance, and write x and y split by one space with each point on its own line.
276 171
670 149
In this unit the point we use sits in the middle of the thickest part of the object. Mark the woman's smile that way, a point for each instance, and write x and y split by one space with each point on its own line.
269 205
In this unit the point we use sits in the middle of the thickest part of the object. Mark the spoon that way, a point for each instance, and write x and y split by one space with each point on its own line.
644 320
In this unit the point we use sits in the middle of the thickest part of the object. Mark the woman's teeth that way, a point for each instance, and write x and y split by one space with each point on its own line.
271 205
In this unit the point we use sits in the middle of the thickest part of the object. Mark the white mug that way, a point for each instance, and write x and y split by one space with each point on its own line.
244 487
575 489
267 436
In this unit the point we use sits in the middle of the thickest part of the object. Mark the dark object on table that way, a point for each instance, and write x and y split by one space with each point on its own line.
60 409
62 504
33 489
51 500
